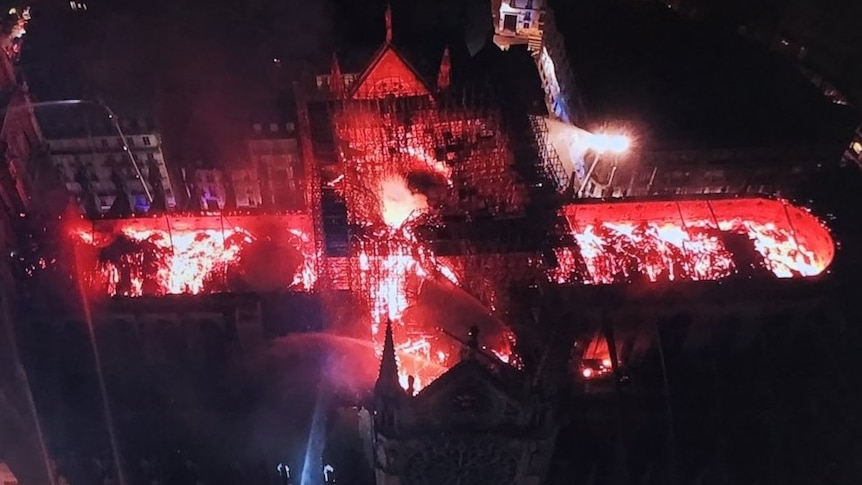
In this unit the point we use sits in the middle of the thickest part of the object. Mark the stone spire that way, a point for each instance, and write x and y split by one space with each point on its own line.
387 379
388 23
444 78
336 79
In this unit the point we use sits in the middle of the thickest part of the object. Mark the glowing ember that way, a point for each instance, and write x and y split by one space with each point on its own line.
393 269
393 265
174 263
378 149
146 257
306 277
698 249
441 168
596 360
391 172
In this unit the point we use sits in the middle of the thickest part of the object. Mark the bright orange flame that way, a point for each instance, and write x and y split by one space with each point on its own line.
398 203
393 268
306 277
182 261
393 272
596 360
668 251
188 258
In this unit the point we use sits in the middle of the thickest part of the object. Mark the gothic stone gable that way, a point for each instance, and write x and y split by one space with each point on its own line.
467 397
389 75
470 427
468 461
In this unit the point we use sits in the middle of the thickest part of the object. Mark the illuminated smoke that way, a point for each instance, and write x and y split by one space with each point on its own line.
398 203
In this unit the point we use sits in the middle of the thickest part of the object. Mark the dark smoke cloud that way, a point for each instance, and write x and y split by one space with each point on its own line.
430 184
205 68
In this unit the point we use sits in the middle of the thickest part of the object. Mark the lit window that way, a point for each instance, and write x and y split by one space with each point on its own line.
257 128
273 127
857 147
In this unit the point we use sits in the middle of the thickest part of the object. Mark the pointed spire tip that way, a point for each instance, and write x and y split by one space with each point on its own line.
388 22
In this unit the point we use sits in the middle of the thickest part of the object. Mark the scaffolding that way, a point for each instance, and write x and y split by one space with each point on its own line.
548 157
435 146
313 195
453 153
480 167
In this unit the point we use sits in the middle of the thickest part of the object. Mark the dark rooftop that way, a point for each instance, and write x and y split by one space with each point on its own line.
686 84
85 120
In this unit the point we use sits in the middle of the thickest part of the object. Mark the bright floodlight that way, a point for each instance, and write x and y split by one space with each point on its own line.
602 142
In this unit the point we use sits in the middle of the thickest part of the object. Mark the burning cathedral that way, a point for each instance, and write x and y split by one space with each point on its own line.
432 201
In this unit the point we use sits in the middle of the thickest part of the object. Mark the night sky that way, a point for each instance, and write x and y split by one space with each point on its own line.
206 69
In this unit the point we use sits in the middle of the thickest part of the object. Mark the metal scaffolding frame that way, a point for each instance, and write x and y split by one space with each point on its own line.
463 138
550 160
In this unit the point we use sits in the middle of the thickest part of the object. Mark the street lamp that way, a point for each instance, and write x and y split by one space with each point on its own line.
600 143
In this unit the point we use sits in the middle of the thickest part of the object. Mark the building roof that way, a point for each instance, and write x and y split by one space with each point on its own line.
85 120
687 84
